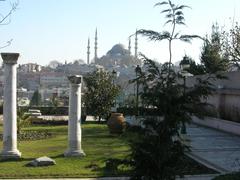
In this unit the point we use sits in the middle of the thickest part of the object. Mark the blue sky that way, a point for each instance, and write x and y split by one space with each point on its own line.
46 30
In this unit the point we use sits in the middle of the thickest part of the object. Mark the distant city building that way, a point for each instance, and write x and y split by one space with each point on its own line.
77 68
29 80
53 79
29 67
23 96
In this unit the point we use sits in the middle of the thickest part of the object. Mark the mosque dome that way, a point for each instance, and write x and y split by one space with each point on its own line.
118 50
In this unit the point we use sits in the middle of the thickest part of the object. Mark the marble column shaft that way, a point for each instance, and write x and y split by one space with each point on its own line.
74 123
10 107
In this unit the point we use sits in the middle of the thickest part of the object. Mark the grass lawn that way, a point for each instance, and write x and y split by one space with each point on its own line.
97 143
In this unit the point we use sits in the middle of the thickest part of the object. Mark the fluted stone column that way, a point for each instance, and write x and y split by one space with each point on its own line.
74 123
10 150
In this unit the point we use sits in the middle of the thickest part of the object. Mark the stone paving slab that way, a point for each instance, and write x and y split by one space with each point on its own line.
218 148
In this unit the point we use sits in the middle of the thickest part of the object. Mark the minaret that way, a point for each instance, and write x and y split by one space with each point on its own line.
129 45
95 48
136 45
88 51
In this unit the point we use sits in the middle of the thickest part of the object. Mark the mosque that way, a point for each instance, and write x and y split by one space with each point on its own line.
117 56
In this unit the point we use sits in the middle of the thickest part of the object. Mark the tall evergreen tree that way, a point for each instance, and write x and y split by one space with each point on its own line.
231 44
158 141
194 69
212 57
36 99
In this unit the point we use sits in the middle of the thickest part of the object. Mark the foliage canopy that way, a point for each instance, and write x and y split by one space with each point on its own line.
100 93
36 99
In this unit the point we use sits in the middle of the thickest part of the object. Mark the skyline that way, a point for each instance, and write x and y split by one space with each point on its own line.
43 31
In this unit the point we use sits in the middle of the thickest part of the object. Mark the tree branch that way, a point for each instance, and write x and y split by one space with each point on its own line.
4 18
8 43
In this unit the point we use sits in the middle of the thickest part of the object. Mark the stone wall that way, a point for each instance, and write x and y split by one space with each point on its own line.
226 98
226 104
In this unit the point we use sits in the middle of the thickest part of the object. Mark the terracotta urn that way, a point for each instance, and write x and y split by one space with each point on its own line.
116 123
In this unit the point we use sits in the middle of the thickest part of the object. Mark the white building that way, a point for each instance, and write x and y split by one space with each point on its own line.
30 67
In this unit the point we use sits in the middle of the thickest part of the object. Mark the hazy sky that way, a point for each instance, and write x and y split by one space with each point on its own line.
46 30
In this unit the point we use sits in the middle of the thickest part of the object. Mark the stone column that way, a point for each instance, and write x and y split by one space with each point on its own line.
10 150
74 122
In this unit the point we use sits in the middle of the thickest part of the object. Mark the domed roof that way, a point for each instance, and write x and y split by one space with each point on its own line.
118 49
118 46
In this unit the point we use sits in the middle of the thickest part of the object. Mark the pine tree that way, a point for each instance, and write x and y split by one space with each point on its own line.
212 57
36 99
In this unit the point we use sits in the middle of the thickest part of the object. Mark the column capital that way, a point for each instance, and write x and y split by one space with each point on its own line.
75 79
10 58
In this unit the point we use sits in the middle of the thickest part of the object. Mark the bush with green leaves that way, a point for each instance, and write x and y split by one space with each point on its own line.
100 93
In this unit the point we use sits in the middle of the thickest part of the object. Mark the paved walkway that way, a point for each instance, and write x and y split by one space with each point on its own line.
216 149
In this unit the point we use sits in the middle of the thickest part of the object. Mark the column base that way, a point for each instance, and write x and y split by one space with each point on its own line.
10 155
74 153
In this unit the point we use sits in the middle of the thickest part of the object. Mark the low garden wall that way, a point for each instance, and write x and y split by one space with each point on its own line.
226 103
225 100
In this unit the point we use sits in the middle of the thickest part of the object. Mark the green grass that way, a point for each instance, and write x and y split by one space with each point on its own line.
97 143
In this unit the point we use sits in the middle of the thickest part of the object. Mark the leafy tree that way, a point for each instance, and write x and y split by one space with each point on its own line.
100 94
231 44
36 99
175 17
212 57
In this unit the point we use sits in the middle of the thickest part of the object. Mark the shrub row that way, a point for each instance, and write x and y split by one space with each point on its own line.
32 135
44 110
